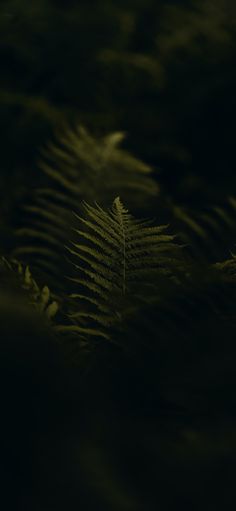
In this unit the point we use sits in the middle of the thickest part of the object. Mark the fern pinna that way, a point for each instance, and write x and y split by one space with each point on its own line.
116 259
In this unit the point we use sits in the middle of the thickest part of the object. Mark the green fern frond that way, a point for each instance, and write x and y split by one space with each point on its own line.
117 258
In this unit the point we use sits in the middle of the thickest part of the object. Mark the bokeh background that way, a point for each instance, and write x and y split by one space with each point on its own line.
163 72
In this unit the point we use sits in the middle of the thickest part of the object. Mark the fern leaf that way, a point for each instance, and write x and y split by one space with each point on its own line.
116 257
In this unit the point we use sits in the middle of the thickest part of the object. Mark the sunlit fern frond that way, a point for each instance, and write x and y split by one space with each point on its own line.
210 234
78 167
118 260
40 299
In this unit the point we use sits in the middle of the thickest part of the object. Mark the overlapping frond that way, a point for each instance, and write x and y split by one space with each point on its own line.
78 167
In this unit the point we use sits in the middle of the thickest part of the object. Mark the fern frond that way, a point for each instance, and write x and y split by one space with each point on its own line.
116 258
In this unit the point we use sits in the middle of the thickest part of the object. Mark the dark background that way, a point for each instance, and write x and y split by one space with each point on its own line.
164 72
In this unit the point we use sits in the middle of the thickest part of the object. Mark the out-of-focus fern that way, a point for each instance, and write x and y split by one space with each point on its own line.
94 168
228 267
191 327
121 260
40 299
80 167
210 234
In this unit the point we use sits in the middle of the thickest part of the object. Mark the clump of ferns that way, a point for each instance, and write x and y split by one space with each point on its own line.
120 262
135 291
78 167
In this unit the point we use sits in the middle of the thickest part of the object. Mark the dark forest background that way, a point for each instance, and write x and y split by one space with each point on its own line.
164 73
161 71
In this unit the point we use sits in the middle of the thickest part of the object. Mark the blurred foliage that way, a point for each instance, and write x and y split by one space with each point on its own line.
163 72
146 420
